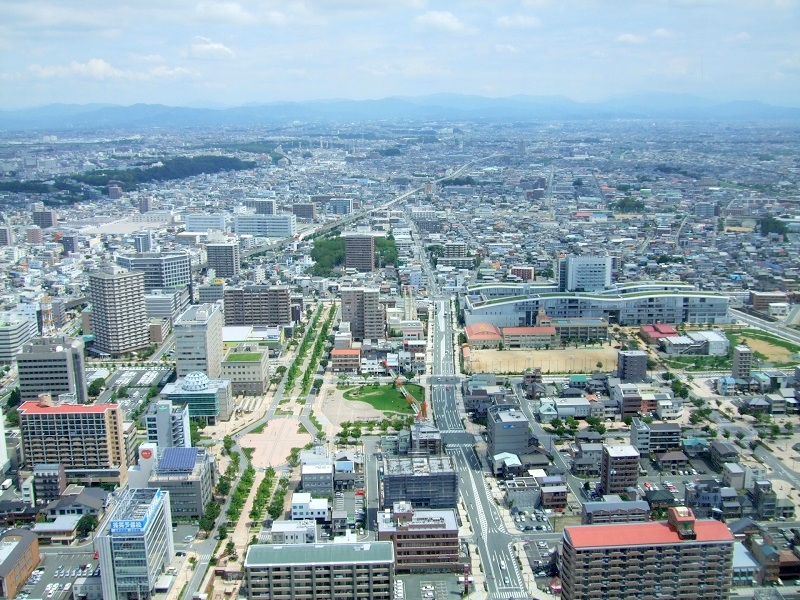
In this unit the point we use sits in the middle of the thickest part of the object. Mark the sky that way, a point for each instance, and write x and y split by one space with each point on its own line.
229 53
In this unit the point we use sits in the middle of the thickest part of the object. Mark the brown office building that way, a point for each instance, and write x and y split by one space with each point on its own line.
19 556
619 468
424 540
359 252
258 305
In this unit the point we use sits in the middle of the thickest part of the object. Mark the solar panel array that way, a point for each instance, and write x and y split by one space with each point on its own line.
178 459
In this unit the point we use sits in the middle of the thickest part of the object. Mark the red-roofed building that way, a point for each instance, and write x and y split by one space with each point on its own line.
87 440
346 359
652 333
680 559
483 335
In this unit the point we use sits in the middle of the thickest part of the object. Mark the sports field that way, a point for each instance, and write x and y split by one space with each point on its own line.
568 360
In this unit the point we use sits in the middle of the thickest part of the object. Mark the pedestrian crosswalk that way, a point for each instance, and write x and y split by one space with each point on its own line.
509 593
203 558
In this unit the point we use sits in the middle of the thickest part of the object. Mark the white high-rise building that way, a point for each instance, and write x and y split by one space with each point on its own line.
135 544
265 225
168 425
198 341
204 222
584 273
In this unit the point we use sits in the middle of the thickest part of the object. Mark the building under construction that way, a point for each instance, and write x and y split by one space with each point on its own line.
424 481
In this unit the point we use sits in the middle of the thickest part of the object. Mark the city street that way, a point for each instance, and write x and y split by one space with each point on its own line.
493 542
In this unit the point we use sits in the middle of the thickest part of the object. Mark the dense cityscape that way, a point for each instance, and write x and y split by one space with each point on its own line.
401 359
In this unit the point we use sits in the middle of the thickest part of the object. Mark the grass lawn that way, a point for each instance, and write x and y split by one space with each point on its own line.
386 397
244 357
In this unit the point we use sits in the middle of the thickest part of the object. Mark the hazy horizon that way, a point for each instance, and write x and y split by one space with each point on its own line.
227 54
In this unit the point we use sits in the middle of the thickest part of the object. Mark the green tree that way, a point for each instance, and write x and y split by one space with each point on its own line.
86 525
96 386
224 486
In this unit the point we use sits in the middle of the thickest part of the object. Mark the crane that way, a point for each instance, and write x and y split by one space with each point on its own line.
420 408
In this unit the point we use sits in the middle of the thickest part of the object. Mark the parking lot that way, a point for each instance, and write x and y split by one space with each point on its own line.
531 520
426 587
55 576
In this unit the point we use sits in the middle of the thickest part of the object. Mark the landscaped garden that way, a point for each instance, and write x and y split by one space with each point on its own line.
386 398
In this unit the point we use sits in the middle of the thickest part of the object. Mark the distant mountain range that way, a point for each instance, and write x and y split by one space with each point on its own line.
443 107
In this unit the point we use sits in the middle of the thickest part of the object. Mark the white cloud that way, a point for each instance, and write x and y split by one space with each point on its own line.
518 22
742 36
678 67
224 12
663 34
629 38
205 48
441 21
99 69
791 63
148 58
506 48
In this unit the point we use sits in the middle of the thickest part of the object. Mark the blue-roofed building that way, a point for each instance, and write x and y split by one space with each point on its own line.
726 386
746 569
189 474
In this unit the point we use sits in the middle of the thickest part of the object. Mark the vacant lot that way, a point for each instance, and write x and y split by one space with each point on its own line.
568 360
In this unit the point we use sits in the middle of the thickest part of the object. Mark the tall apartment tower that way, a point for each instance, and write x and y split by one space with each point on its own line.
681 559
71 242
359 252
6 235
584 273
143 241
34 235
119 317
362 308
632 366
263 206
135 544
198 341
87 439
742 362
52 366
145 204
258 305
619 468
224 259
45 218
168 425
5 463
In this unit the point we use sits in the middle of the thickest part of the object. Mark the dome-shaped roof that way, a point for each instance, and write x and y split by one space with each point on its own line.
195 381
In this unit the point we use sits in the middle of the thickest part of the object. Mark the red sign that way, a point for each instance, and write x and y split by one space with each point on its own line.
146 453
